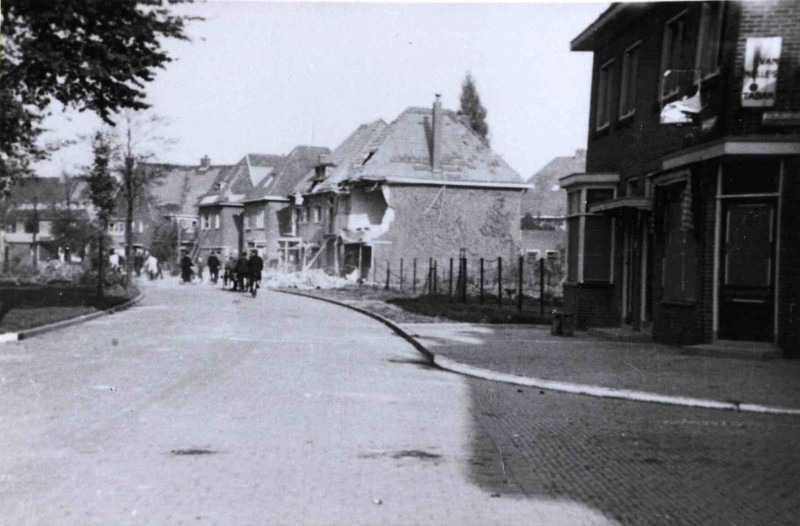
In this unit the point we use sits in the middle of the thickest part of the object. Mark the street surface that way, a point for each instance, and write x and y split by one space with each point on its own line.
202 406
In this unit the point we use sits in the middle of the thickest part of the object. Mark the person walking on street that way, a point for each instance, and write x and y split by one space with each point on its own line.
186 268
242 272
138 263
151 266
256 265
213 266
230 272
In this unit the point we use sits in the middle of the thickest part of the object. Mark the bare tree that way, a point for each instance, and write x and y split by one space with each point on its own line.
138 141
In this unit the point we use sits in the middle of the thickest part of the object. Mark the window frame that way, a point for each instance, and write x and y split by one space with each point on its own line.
627 77
260 220
705 20
581 214
604 97
666 44
317 215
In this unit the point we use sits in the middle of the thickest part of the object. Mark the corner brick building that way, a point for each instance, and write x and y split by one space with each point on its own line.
691 229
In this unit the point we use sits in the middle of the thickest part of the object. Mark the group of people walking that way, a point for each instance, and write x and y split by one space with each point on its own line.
242 273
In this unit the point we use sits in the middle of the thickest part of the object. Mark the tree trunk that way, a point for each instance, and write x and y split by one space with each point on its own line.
130 198
100 266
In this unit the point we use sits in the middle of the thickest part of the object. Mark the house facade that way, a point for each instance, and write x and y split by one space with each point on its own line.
268 208
424 186
222 221
683 219
27 216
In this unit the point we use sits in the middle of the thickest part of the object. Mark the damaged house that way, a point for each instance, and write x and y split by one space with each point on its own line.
425 186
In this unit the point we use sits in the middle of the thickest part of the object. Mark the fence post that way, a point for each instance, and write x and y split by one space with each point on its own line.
519 283
414 279
464 280
499 282
450 279
435 276
430 275
481 296
541 287
387 274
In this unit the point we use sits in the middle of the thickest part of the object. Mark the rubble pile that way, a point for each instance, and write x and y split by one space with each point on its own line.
310 279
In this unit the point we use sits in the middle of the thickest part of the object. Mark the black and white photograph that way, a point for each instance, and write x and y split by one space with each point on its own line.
399 263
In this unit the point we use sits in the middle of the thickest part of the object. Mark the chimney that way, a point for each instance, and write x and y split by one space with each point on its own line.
205 162
436 147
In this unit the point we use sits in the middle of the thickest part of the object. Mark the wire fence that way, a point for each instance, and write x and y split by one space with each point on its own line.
524 281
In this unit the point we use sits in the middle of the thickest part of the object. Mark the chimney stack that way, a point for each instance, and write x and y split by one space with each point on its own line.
205 162
436 147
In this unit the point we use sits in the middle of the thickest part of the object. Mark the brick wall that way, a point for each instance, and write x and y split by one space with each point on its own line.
764 18
226 236
634 145
431 222
594 305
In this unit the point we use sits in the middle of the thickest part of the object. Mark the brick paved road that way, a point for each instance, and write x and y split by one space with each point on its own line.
639 463
311 414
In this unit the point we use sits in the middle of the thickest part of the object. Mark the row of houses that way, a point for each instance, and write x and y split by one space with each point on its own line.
423 186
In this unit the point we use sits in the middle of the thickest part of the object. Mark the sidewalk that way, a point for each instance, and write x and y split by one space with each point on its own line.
531 351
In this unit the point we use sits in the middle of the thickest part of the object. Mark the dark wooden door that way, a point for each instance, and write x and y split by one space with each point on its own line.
747 273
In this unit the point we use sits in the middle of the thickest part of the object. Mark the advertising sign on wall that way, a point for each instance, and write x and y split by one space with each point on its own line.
761 59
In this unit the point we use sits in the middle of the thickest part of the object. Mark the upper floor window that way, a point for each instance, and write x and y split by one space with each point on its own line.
317 214
630 73
672 56
604 95
216 221
246 222
260 219
206 222
303 215
709 39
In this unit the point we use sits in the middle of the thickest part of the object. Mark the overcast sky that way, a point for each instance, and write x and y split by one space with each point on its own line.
264 77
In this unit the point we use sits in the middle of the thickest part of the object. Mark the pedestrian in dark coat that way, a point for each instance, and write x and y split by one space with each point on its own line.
242 271
256 265
213 266
186 268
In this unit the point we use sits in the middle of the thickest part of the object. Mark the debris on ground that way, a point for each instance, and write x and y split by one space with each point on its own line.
306 280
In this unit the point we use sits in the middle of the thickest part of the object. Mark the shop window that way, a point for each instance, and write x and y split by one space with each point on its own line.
672 55
755 175
605 94
679 262
630 77
589 237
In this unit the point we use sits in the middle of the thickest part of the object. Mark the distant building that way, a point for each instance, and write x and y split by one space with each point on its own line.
27 216
173 195
685 218
424 186
544 215
268 207
221 207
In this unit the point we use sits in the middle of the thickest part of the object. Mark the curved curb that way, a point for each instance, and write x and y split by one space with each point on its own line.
562 387
389 323
36 331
